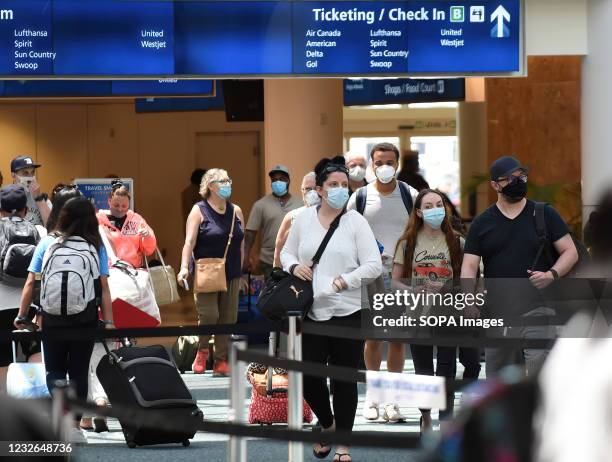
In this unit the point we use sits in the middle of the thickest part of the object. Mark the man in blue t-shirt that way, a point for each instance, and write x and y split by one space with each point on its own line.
504 236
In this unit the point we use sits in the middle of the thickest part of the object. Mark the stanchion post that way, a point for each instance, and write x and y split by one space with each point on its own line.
296 392
237 445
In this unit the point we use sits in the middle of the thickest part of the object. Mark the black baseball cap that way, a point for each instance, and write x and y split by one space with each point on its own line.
506 166
21 162
13 198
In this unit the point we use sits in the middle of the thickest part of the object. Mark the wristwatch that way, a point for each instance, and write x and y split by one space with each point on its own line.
554 273
107 322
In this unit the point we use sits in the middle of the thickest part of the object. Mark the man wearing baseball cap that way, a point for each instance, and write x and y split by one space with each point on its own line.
23 171
505 237
267 215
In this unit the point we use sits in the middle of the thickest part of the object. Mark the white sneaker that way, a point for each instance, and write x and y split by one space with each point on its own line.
392 414
370 411
76 436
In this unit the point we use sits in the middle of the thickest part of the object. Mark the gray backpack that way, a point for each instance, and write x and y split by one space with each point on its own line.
70 277
18 239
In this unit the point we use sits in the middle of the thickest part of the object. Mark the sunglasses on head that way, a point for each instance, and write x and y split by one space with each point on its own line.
336 168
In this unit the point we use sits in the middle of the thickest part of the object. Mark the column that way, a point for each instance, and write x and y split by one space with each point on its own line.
472 139
303 123
596 106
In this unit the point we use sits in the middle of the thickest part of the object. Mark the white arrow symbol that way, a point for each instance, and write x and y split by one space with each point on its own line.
500 14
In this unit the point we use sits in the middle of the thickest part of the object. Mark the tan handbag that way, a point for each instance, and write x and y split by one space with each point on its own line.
210 272
163 279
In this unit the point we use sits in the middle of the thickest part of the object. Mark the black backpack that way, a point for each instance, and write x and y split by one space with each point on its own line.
546 247
362 195
18 239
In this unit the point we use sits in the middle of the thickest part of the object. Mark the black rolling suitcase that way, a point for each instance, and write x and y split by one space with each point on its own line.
146 378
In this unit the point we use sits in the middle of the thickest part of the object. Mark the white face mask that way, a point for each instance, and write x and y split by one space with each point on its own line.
312 198
357 173
26 181
385 174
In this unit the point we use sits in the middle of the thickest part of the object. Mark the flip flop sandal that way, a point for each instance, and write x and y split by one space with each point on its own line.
321 454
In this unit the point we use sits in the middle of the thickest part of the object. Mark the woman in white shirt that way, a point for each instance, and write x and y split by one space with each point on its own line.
350 256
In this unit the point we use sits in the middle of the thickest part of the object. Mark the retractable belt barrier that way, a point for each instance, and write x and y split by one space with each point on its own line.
263 327
150 419
450 341
172 331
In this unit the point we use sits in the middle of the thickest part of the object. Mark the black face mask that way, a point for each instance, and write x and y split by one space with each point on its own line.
515 190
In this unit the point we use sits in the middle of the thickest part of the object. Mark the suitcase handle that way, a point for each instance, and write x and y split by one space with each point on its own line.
124 341
272 351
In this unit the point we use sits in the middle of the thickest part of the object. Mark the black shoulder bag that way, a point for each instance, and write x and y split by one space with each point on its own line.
285 293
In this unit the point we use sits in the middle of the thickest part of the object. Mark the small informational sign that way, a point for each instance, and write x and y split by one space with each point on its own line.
97 190
422 391
363 92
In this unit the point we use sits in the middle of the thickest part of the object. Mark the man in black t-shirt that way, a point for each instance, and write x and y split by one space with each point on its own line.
505 237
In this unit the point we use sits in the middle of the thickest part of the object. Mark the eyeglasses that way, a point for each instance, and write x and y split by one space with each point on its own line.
227 182
305 190
521 177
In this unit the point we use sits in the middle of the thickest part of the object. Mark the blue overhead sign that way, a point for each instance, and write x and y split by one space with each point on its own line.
363 92
105 88
146 38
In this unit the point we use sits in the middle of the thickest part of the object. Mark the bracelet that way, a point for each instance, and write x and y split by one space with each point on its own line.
554 273
40 198
107 322
292 268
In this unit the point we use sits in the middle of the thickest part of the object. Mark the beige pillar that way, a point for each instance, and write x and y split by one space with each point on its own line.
472 132
596 109
303 123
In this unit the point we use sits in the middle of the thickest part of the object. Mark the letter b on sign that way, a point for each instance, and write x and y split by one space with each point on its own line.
457 14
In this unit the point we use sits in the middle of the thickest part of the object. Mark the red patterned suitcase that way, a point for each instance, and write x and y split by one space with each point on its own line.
269 403
272 409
